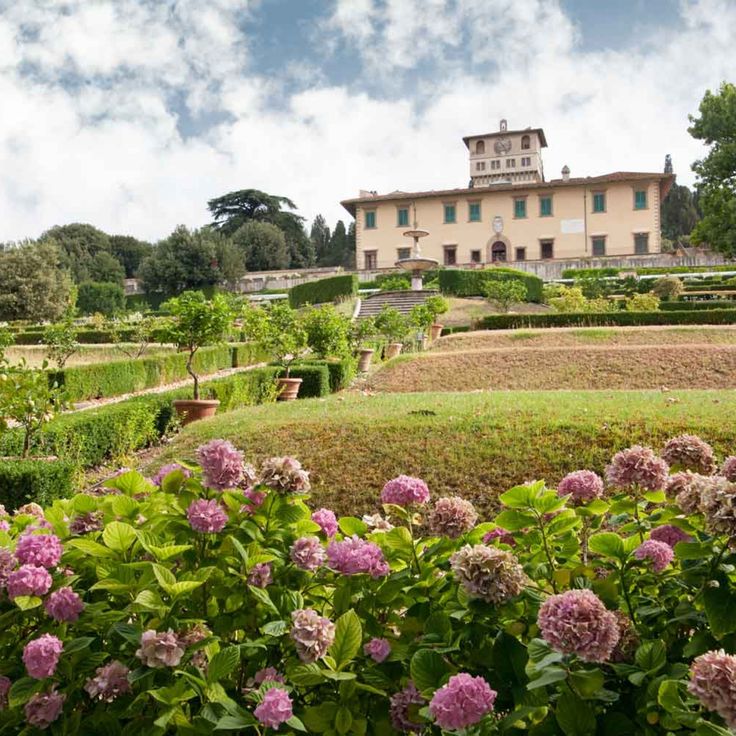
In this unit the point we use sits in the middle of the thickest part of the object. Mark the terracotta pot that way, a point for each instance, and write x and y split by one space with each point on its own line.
192 410
288 388
393 349
435 331
364 361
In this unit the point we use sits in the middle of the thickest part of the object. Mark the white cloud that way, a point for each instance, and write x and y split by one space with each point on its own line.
106 148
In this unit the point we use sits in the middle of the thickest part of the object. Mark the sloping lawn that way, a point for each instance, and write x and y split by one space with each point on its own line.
472 444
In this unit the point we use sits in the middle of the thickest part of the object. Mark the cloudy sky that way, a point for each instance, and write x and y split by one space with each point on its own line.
131 114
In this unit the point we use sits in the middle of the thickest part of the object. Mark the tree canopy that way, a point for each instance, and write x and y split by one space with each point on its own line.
679 213
130 252
263 246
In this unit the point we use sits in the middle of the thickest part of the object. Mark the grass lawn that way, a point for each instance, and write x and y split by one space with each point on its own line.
35 354
467 311
473 444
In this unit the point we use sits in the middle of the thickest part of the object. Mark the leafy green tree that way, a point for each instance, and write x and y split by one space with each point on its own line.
103 298
504 294
103 267
328 331
320 237
263 246
279 329
350 255
130 252
33 285
392 324
195 323
716 185
61 339
338 250
230 261
233 210
78 244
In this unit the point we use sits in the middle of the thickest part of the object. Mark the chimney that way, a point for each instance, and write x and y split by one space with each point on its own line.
503 125
565 173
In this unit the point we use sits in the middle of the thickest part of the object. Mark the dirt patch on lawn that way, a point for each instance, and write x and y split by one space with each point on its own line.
593 367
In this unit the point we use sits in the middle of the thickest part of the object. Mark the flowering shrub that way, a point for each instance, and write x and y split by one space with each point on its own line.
216 600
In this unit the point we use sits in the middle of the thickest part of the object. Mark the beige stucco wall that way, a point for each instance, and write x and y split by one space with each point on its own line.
618 223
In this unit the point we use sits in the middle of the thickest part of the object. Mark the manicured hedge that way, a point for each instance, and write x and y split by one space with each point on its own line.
590 273
470 283
315 379
324 290
596 319
341 371
691 306
584 273
41 481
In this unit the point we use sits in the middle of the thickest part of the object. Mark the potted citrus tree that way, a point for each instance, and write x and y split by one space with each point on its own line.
394 327
196 323
360 331
437 305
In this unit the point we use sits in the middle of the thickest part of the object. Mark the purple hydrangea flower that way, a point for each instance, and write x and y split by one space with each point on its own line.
28 580
85 523
192 636
44 550
41 656
582 486
166 470
405 491
42 709
353 556
160 650
64 605
462 702
254 499
7 565
307 553
222 464
718 504
637 466
503 535
109 682
689 452
377 649
268 674
713 683
285 475
577 622
669 534
660 554
452 517
206 517
275 708
403 705
728 469
327 522
491 574
312 634
4 688
30 509
260 575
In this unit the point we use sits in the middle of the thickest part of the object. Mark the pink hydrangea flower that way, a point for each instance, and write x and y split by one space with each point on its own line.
660 554
268 674
222 464
582 486
4 688
160 650
689 452
637 466
327 522
405 491
44 550
285 475
7 564
4 525
158 479
713 682
30 509
401 705
206 517
275 708
109 682
41 656
377 649
85 523
669 534
353 556
254 500
64 605
307 553
42 709
577 622
491 574
462 702
452 517
728 469
28 580
503 535
312 634
260 575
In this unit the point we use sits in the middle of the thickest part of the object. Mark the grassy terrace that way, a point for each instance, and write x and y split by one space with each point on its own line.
473 444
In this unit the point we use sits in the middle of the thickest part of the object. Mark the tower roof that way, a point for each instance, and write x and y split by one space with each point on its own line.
499 133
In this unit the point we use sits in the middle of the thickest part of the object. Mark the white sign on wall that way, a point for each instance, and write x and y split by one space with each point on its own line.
569 227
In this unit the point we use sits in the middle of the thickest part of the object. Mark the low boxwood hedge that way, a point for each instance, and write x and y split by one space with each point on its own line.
315 379
341 371
691 306
42 481
324 290
459 282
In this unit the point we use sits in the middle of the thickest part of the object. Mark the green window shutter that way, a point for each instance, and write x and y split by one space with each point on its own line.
545 207
640 200
474 213
449 213
599 202
370 219
403 217
519 208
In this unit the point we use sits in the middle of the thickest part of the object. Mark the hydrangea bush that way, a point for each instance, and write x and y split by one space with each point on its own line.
212 599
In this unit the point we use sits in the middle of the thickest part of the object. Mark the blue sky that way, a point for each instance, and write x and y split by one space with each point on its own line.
130 114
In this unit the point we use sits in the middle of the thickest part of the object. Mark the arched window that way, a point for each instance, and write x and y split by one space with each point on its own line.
525 143
480 147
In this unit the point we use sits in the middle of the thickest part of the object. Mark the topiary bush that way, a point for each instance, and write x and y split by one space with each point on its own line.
213 598
42 481
324 290
470 283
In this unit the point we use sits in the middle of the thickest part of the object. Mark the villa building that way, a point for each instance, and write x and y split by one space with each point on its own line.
510 213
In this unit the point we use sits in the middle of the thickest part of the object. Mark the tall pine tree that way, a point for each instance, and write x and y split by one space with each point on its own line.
679 214
320 237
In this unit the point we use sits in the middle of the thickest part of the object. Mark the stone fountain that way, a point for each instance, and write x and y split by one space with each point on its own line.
416 264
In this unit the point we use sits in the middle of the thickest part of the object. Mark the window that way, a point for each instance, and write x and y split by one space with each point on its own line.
526 161
520 208
450 255
402 217
599 202
370 219
598 243
403 253
641 243
510 163
370 258
526 143
545 206
495 164
640 199
480 147
521 254
480 165
474 211
475 256
449 213
547 248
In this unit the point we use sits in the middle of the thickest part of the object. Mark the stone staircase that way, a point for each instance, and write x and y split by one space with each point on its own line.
403 301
